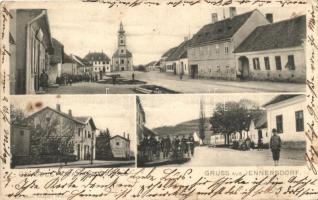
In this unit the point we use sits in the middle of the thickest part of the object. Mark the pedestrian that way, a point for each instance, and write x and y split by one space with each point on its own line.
260 144
191 144
183 145
133 76
275 145
248 143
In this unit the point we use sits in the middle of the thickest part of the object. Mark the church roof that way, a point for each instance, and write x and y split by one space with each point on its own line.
96 56
128 54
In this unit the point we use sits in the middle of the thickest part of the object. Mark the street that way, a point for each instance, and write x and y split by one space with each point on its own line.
82 164
206 157
173 82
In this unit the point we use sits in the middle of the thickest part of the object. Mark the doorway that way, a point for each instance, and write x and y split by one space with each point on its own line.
194 71
244 67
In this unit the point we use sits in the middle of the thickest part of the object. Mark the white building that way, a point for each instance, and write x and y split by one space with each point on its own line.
274 52
286 114
98 62
120 146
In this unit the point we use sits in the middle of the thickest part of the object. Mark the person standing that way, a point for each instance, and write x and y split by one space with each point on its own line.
191 144
275 145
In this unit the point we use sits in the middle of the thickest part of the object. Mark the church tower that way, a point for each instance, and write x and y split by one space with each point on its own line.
122 58
121 39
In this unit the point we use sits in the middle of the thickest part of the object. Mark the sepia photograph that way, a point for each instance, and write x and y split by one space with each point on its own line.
68 131
221 130
99 51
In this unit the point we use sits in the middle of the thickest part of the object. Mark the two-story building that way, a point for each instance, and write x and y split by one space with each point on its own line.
120 146
274 51
78 132
97 62
211 50
30 48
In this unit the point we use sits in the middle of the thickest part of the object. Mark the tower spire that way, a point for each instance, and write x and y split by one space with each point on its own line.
121 27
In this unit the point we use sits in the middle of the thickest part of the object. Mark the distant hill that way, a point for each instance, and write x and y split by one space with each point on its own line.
188 127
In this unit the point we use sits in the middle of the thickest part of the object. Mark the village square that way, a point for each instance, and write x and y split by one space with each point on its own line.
220 130
231 50
60 133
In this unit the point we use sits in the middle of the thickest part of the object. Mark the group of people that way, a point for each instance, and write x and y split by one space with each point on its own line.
152 148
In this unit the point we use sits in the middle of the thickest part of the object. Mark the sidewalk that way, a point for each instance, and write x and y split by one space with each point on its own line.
82 164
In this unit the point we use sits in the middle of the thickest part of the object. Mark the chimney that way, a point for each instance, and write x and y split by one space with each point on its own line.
214 17
70 112
232 12
128 136
58 107
124 135
269 17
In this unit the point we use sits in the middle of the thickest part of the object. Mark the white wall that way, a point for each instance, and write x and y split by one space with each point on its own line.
287 109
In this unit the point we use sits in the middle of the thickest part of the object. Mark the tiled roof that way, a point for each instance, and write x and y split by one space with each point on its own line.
59 112
179 51
169 52
128 54
283 34
67 58
261 121
119 137
220 30
96 56
280 98
57 56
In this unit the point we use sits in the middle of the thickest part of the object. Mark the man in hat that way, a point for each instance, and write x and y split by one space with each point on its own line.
275 145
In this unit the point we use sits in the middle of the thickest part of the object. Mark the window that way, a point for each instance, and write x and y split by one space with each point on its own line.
121 41
278 63
122 61
89 135
21 133
267 65
291 62
226 48
117 143
217 49
79 132
122 51
299 117
256 64
279 123
201 51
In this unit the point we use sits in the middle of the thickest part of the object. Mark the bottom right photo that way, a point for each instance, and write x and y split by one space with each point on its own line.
221 130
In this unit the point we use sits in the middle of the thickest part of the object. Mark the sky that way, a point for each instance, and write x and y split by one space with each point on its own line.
170 110
150 30
115 112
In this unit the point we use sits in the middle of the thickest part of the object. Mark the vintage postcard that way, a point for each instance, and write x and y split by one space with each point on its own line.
149 99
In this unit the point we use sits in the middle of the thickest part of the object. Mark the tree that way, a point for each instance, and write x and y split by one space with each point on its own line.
51 138
17 116
103 148
229 118
202 121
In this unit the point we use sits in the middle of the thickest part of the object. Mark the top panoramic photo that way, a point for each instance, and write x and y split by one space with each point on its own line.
94 50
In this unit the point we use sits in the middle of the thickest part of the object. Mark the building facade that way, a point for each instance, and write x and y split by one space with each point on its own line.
30 51
286 114
98 62
56 61
274 52
177 61
211 50
120 146
122 59
79 131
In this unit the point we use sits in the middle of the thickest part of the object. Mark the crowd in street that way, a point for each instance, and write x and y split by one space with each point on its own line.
155 148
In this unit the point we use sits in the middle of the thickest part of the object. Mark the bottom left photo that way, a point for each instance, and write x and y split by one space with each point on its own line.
72 131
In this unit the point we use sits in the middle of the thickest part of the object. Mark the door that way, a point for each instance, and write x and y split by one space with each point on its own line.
78 152
244 67
194 71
